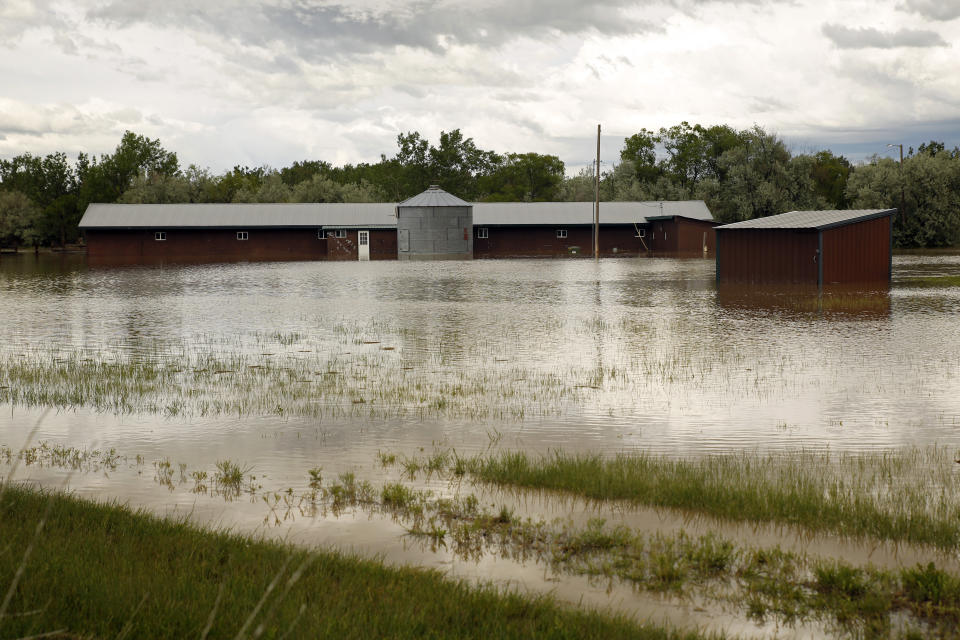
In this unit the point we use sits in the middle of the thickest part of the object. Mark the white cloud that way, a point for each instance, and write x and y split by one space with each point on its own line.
251 82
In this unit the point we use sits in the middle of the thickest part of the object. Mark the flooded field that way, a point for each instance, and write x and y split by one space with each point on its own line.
245 394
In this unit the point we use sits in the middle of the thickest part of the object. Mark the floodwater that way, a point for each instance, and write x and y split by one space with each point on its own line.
285 367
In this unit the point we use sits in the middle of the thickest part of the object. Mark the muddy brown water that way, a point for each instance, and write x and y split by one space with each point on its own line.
629 354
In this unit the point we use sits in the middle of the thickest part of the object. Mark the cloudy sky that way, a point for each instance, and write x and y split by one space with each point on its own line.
254 82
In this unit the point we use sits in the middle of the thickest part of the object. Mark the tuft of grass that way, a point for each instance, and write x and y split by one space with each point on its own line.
397 496
104 571
229 474
908 495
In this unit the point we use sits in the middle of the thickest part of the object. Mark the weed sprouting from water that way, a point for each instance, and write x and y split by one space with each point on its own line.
316 477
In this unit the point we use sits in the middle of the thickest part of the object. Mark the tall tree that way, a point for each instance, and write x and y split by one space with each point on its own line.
524 177
640 150
19 219
107 179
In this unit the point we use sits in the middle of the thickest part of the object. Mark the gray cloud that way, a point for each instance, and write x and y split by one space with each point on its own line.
867 37
319 31
933 9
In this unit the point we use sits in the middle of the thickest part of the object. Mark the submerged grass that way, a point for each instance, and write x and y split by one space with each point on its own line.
762 583
103 571
910 495
931 281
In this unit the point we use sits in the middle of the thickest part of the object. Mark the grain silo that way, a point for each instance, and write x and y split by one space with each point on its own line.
434 225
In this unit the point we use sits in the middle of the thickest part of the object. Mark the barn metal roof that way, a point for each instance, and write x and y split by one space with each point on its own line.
372 215
238 215
818 220
434 197
576 213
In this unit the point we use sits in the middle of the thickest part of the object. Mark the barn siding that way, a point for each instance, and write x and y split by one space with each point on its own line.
214 245
681 236
858 252
383 245
542 241
767 256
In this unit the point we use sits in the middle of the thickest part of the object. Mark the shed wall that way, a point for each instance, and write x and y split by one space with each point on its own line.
767 256
858 252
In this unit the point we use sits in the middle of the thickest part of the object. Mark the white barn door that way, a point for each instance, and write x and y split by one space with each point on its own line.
363 245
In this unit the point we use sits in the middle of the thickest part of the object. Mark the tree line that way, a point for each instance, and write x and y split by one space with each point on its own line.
740 174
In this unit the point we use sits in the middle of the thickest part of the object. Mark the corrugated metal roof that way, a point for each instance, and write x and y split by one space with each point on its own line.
183 216
434 197
811 219
575 213
371 215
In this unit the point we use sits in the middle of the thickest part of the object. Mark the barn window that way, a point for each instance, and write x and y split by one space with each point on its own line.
321 234
337 233
160 235
243 235
483 232
561 233
641 233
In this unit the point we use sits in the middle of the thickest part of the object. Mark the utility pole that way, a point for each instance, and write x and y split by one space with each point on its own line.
903 199
596 207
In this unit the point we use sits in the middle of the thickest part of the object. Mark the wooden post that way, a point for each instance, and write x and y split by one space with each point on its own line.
596 208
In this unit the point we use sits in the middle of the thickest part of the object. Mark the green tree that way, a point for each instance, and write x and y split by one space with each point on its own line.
526 177
640 150
930 184
303 170
158 188
107 179
829 174
19 219
758 180
59 220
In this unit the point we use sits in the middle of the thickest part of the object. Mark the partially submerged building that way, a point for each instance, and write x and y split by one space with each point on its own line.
524 229
808 248
434 224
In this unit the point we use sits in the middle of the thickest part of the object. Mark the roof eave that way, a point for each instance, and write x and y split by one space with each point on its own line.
873 216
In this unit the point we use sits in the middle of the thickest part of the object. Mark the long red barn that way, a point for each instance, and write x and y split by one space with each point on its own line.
133 233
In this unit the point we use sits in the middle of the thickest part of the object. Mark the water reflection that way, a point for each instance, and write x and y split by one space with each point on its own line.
792 301
611 355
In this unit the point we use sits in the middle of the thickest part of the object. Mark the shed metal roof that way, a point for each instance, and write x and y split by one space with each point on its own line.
371 215
434 197
818 220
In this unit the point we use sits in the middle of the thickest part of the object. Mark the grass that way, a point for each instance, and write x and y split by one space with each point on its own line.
760 582
931 281
910 495
104 571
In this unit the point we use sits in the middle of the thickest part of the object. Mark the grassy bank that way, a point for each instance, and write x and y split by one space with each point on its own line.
103 571
908 495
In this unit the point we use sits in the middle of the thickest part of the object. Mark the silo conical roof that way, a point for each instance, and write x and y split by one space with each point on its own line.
434 196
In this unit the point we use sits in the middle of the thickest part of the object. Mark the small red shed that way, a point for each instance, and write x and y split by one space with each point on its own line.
808 247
